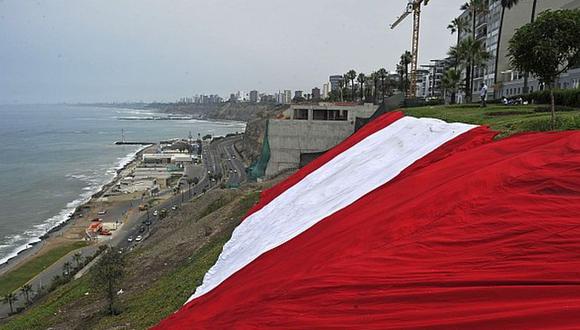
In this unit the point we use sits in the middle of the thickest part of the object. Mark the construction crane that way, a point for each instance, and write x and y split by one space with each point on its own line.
413 7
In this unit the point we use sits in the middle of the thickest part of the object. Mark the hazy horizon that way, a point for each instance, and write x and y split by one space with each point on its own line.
66 51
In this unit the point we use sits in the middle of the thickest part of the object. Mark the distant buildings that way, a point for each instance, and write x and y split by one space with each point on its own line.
335 81
325 90
287 97
298 95
254 96
316 94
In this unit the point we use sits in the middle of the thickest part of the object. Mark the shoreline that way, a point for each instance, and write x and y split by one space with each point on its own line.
35 246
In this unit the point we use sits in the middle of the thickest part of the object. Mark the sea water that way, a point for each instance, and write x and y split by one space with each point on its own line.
55 157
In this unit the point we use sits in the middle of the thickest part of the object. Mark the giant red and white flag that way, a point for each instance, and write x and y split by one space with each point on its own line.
408 224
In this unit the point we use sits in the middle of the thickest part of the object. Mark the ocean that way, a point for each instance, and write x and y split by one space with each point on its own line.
55 157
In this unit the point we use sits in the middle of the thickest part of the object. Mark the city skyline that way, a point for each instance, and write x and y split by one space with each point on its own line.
66 51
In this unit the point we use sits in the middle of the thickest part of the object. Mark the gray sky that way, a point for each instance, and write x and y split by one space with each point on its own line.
130 50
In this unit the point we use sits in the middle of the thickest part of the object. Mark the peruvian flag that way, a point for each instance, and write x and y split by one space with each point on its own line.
410 223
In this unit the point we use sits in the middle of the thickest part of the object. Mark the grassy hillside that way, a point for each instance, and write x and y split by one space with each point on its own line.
506 119
161 274
14 279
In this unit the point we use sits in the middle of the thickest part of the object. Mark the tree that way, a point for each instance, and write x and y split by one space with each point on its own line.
361 82
383 75
476 8
77 257
406 59
26 290
458 25
10 299
451 82
351 75
66 267
108 274
468 54
547 47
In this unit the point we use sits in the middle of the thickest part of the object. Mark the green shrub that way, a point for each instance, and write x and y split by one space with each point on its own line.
563 97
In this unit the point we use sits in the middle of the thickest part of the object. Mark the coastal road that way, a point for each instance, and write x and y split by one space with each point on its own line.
213 162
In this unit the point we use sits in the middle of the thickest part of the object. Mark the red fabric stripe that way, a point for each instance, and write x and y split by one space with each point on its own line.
376 125
487 237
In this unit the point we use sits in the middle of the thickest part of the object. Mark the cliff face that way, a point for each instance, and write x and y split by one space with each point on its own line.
226 111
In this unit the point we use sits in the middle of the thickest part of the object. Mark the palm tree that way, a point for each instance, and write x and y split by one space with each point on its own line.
451 82
383 74
341 87
375 79
406 59
469 53
10 298
352 77
25 291
475 8
458 25
361 82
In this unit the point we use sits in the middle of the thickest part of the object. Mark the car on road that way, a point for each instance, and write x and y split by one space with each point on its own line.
138 238
102 212
174 207
130 239
156 213
142 229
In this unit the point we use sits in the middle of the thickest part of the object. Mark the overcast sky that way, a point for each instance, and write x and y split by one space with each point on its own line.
130 50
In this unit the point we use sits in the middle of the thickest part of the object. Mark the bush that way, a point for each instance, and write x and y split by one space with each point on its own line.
563 97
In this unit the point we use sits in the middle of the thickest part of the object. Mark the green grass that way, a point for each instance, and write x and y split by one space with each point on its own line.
506 119
14 279
146 308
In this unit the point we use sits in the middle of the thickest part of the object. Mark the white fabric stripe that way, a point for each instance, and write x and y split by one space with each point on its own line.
359 170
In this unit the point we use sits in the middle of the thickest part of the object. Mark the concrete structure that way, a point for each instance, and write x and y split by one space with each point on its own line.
298 94
310 129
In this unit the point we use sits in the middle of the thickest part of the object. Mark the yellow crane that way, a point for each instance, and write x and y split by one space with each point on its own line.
413 7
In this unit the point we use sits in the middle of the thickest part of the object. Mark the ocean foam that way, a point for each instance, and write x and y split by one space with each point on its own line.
96 184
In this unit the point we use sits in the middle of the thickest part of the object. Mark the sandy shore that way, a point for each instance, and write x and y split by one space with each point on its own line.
73 229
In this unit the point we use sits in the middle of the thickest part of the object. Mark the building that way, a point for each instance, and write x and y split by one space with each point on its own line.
325 90
254 96
316 94
335 82
298 95
423 88
310 129
287 96
510 82
497 73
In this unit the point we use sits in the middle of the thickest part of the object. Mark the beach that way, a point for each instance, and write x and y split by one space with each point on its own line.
65 157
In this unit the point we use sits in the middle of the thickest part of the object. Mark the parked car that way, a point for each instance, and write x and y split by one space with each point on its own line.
156 213
102 212
138 238
130 239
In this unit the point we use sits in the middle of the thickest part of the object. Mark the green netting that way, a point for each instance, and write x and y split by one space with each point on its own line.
258 168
